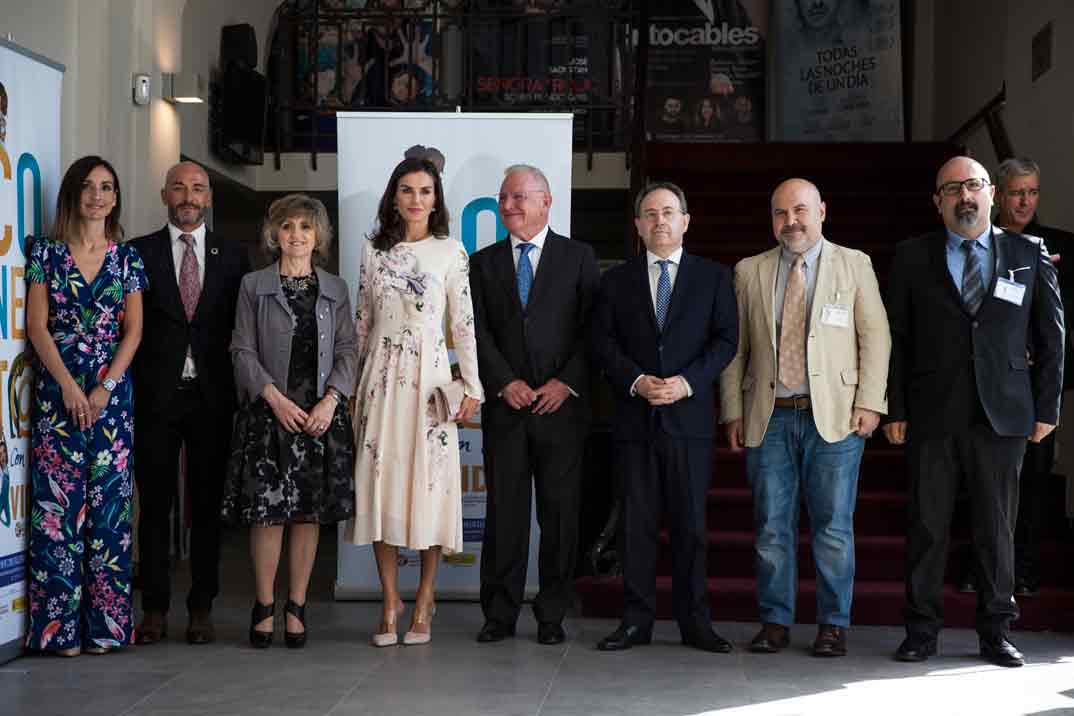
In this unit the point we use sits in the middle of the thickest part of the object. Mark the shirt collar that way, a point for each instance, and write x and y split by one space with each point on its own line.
675 258
537 241
809 257
984 239
198 233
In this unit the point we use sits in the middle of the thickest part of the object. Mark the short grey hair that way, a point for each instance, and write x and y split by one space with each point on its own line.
532 171
1015 167
657 186
298 206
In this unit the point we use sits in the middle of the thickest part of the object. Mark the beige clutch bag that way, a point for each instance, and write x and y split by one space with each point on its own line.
446 401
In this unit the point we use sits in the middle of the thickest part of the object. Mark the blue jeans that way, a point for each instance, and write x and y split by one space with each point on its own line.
793 454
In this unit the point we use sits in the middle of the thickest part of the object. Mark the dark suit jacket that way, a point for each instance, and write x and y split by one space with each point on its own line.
699 339
158 365
547 341
1062 243
941 355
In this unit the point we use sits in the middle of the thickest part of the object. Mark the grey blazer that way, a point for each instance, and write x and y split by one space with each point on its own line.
264 327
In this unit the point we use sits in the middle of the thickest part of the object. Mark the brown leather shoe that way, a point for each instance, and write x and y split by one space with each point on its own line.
771 638
831 641
200 629
154 628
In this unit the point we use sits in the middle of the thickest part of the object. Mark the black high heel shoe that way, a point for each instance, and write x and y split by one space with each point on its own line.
261 612
295 640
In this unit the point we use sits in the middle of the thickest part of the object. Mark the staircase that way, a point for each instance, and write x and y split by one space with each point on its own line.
876 195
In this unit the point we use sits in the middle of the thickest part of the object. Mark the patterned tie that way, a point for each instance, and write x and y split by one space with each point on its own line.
663 293
792 333
189 280
973 287
524 276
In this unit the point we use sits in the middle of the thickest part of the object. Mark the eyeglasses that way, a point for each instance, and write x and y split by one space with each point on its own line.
954 188
1023 193
653 215
519 196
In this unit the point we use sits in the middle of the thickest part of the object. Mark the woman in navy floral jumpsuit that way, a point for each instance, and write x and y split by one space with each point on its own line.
84 318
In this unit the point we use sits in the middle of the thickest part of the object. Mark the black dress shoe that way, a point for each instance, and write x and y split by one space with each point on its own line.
1027 588
706 639
771 639
494 631
200 629
916 648
550 633
1001 652
625 637
831 641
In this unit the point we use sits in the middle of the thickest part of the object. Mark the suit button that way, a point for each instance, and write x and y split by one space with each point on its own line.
659 346
772 385
975 324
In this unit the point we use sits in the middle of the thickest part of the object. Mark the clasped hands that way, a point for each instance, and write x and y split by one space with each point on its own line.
85 410
544 400
661 391
294 419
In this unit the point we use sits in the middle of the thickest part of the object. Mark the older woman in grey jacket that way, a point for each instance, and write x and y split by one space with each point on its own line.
292 453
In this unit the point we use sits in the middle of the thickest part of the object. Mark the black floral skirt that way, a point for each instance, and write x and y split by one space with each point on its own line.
275 477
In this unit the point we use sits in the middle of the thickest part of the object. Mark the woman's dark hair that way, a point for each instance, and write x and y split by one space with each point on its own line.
69 201
391 229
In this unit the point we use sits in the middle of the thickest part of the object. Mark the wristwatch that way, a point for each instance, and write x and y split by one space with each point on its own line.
109 384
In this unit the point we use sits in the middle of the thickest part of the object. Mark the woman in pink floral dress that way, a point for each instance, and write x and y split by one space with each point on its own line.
407 472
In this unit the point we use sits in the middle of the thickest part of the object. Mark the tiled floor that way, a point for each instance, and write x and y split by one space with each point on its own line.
339 674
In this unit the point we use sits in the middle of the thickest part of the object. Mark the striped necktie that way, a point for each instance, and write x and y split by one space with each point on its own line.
973 288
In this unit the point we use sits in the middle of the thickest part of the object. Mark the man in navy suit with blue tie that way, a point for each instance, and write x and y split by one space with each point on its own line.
532 295
664 327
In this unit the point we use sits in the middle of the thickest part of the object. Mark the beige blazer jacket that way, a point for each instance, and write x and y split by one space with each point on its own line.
847 365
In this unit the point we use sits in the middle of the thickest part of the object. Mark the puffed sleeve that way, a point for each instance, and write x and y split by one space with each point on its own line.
134 278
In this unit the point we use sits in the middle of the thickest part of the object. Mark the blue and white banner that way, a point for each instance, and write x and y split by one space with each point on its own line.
477 148
30 90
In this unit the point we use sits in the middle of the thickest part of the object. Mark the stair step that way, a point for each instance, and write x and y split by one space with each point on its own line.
875 602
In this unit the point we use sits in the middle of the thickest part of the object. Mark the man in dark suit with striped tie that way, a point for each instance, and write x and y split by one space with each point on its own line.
963 304
665 326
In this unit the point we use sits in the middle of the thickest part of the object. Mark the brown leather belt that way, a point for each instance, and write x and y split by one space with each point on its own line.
798 402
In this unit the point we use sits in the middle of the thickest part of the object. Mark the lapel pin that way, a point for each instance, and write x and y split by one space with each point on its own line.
214 251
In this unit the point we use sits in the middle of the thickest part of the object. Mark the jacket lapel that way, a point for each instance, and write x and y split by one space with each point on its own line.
170 300
504 269
643 292
212 275
547 267
767 270
938 254
823 287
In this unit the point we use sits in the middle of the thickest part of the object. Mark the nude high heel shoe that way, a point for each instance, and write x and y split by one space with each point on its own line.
422 617
389 631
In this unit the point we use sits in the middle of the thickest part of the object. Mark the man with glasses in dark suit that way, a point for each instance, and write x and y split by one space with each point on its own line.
963 304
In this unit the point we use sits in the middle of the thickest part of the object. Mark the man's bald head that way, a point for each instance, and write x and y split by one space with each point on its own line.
966 211
797 215
187 195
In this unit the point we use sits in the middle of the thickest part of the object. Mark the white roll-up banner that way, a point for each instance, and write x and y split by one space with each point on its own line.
30 90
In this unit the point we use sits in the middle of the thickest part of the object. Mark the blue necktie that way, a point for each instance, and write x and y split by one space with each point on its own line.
973 288
524 276
663 293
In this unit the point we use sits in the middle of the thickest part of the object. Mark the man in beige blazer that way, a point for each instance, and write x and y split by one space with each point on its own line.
805 389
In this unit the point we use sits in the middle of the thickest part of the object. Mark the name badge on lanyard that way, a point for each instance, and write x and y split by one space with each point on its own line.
1009 290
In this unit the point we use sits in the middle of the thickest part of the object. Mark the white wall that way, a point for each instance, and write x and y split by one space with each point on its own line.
979 45
102 43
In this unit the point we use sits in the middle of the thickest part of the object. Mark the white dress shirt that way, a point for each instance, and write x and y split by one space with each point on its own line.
178 249
537 242
652 260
